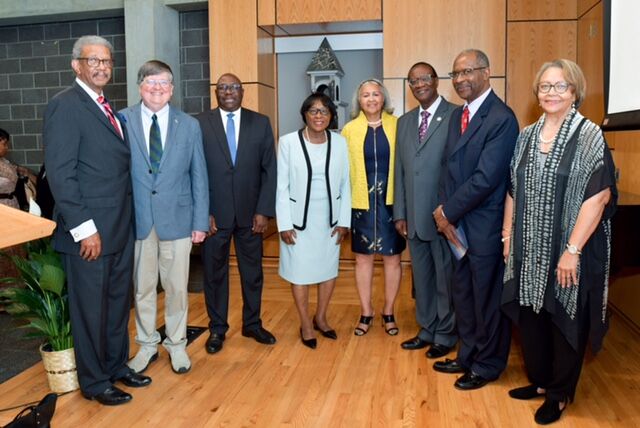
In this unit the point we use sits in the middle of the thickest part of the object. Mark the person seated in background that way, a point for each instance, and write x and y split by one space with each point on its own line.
14 179
313 181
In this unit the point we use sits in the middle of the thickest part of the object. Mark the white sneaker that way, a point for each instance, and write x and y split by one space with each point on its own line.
143 358
180 362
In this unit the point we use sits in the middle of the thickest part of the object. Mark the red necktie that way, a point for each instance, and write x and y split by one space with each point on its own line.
112 118
465 120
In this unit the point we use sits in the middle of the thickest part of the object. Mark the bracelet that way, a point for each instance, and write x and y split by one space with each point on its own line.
505 238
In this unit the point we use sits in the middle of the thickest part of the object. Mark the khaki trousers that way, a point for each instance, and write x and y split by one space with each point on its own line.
170 261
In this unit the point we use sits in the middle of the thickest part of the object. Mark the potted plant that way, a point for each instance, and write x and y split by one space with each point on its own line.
40 297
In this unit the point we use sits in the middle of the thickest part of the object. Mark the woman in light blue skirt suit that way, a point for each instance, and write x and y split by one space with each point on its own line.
313 211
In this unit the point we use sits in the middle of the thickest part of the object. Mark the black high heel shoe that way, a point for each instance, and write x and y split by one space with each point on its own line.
329 334
388 319
309 343
366 320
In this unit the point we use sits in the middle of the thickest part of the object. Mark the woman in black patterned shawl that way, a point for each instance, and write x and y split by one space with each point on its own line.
557 239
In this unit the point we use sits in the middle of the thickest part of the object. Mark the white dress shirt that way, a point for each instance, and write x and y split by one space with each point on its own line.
236 122
163 122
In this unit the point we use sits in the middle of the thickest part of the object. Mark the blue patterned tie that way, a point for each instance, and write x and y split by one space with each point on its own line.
155 144
231 137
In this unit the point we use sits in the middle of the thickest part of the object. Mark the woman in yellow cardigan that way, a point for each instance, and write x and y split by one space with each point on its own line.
371 137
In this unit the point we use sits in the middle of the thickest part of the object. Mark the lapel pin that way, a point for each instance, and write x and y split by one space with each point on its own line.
438 118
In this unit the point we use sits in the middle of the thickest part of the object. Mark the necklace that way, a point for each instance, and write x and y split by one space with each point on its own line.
376 123
306 130
543 141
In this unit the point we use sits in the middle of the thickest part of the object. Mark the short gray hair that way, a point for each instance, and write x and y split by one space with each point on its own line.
355 103
481 58
153 67
83 41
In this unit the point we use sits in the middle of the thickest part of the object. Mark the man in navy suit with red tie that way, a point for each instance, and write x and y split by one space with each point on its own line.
473 185
88 162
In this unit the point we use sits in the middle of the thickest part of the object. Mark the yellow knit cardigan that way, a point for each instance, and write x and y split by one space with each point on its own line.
355 132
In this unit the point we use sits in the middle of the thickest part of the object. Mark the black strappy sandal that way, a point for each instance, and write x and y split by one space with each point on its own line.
366 320
388 319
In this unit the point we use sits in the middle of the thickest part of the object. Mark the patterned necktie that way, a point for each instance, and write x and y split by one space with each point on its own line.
112 118
465 120
231 137
155 144
422 130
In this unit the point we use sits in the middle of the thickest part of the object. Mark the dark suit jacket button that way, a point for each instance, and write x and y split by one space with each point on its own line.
153 192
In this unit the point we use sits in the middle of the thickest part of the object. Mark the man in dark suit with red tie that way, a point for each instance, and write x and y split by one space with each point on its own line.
240 152
87 158
473 185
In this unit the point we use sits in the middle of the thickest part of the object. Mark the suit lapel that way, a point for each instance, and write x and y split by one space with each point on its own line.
221 137
137 131
243 137
95 110
172 129
474 124
435 123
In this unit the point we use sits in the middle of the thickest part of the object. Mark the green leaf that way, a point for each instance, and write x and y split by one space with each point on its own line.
52 279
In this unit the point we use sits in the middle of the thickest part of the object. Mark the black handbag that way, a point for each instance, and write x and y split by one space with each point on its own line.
38 416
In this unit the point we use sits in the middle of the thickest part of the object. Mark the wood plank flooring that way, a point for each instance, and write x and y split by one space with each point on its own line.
352 382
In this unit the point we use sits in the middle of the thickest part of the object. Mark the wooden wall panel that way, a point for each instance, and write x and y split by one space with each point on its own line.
437 30
266 12
585 5
302 12
266 59
590 59
529 45
395 87
232 39
529 10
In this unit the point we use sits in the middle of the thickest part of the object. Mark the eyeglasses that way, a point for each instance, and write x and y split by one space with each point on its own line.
318 111
95 62
464 73
223 87
560 87
153 82
427 79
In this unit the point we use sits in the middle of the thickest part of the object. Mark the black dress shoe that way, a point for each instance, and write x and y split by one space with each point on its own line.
448 366
134 380
414 343
309 343
329 334
214 343
438 351
549 412
260 335
112 396
525 392
470 381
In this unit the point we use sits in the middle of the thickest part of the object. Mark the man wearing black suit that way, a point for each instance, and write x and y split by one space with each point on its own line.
240 153
473 186
87 157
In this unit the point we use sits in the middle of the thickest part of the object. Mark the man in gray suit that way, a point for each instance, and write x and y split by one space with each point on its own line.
171 201
88 158
241 162
421 137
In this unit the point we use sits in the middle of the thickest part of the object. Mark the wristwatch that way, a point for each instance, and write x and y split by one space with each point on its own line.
573 250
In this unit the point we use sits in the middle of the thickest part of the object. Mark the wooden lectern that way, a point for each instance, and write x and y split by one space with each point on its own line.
18 226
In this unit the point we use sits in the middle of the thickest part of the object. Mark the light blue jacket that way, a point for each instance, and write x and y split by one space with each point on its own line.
176 200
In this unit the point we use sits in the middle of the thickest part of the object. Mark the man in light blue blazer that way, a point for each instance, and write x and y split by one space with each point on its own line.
171 200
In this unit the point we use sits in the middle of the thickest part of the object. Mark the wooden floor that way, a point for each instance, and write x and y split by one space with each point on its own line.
352 382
